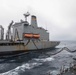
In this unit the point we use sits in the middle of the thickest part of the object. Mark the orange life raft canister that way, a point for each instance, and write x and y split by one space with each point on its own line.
32 35
36 36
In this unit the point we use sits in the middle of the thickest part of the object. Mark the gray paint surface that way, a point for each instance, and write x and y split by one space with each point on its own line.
21 28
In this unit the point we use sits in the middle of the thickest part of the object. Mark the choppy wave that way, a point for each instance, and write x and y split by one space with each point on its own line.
28 66
21 68
45 59
42 63
55 72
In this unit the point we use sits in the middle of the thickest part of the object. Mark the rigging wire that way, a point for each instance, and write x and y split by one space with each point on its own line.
34 44
64 48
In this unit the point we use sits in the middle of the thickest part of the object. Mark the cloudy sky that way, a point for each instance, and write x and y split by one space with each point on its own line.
57 16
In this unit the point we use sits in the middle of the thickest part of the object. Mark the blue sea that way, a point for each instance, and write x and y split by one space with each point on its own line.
40 62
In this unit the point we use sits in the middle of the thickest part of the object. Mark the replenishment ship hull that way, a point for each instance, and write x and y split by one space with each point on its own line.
24 37
8 48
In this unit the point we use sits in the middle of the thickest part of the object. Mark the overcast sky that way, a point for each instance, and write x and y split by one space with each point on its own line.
57 16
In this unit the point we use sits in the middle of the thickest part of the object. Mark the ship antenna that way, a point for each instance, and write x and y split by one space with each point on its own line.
26 15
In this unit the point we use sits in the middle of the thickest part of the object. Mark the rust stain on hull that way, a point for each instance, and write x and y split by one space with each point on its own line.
21 47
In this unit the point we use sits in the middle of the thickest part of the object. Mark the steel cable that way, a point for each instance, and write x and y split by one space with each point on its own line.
27 42
34 44
64 48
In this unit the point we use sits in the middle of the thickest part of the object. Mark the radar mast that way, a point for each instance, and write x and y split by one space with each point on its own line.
26 15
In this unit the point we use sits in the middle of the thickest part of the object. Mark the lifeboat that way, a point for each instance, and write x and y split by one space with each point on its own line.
32 35
36 36
28 35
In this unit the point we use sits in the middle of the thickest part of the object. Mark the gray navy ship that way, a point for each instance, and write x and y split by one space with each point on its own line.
24 37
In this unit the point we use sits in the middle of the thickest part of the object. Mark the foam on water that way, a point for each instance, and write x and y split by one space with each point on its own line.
27 66
35 65
21 68
45 59
54 72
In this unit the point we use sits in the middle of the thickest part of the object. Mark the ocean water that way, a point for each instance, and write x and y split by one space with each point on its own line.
39 63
